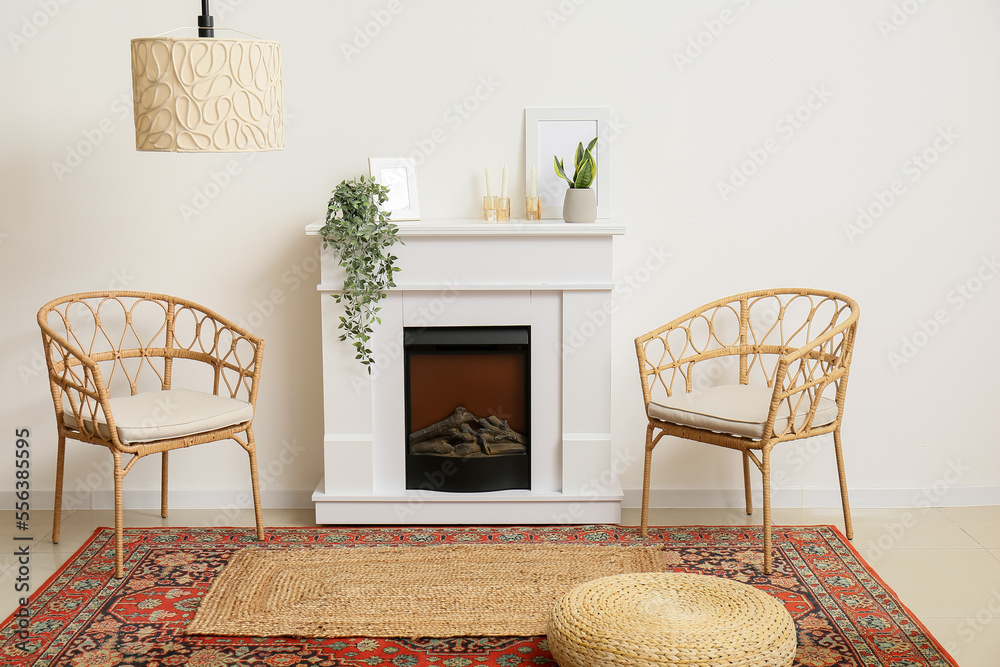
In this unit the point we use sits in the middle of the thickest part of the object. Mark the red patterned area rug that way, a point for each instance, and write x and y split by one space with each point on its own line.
84 617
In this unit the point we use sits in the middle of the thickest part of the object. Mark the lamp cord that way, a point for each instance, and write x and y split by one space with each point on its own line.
206 24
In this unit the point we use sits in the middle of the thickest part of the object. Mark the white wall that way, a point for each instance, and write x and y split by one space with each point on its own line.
881 93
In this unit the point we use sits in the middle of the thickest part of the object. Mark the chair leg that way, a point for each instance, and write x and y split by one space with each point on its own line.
766 474
644 521
746 481
163 486
252 451
119 539
57 505
848 525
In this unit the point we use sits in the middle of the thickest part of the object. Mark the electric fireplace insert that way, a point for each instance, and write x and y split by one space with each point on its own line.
468 408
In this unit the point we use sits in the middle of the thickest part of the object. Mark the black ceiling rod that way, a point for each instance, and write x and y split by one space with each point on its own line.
206 24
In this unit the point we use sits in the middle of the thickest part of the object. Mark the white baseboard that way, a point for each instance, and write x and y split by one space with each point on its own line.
936 496
180 500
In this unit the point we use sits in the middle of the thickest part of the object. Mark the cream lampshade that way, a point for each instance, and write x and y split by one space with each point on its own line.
207 94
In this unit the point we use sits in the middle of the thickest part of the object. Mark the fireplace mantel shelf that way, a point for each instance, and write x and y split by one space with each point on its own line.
473 227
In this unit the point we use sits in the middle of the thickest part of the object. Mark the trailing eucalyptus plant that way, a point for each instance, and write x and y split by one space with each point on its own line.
361 236
584 164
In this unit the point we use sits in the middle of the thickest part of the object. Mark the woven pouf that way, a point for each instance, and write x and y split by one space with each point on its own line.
662 618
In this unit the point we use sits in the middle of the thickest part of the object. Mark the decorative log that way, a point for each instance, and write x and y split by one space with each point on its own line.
439 447
465 435
499 429
503 447
468 449
445 426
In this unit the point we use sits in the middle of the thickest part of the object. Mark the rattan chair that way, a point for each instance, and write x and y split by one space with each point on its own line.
748 372
111 359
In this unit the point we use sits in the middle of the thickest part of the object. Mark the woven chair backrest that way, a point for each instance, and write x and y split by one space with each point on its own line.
135 338
740 339
779 322
126 336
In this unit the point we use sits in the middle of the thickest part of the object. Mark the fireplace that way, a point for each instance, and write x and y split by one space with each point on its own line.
547 284
468 408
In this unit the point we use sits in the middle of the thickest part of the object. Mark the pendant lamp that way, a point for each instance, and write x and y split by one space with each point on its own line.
207 95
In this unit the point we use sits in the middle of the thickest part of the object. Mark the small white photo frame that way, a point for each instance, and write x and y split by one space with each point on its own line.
550 132
399 174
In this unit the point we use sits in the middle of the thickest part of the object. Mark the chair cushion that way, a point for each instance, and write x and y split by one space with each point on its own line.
174 413
738 409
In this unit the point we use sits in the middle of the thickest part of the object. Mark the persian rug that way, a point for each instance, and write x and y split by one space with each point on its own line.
845 616
446 590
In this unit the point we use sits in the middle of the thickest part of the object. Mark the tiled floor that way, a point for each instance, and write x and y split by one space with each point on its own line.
943 563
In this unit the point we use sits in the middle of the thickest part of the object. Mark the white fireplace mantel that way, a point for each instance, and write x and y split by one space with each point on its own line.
552 276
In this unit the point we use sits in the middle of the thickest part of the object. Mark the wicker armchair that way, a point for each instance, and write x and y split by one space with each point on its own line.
746 373
111 358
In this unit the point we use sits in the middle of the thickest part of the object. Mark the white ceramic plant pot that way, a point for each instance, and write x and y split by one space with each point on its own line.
580 205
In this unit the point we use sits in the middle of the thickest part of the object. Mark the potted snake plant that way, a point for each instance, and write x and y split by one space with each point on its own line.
580 203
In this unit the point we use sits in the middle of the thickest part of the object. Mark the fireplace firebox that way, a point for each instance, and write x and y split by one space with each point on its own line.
468 408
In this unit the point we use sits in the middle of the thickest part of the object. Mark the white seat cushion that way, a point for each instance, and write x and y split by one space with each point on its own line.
738 409
174 413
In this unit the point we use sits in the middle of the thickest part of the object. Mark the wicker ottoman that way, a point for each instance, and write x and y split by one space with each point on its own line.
660 618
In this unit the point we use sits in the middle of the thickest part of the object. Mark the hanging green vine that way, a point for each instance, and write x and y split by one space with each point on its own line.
362 237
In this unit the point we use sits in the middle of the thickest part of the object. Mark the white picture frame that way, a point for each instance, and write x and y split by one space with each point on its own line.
557 131
399 174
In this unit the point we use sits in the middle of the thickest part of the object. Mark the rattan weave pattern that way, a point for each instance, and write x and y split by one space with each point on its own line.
797 342
670 619
101 344
450 590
